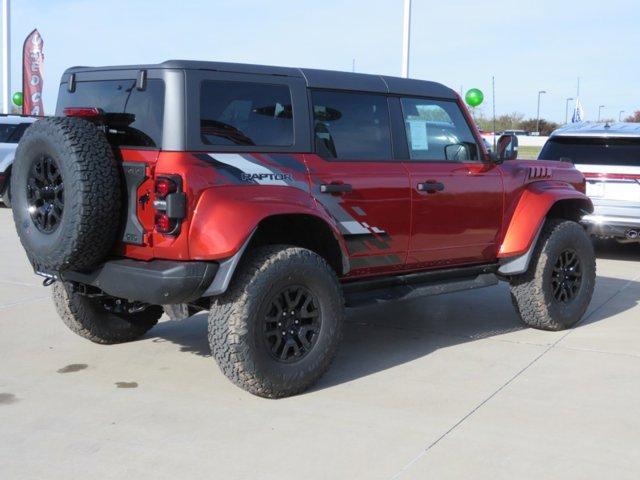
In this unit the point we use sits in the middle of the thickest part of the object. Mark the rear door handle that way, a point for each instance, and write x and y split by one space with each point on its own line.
430 186
335 188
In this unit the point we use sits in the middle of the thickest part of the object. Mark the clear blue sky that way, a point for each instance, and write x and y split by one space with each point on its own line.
527 45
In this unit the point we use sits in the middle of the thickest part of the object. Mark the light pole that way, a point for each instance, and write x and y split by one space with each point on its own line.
566 111
600 107
538 116
6 56
406 38
620 115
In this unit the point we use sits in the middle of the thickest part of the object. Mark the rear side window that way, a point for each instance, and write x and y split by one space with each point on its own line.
245 113
351 126
143 128
6 130
593 150
437 131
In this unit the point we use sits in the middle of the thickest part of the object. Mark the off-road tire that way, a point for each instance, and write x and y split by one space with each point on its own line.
91 195
6 196
235 322
87 317
532 292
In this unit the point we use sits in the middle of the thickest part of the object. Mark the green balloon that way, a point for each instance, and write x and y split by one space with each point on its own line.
17 99
474 97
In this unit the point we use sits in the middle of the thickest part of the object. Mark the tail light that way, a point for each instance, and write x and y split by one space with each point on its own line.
170 205
85 112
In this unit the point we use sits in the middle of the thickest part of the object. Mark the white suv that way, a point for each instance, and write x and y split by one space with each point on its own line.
11 129
609 157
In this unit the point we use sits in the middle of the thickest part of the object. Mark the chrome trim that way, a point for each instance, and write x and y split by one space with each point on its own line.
611 220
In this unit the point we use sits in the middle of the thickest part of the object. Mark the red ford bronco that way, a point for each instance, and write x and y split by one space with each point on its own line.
274 197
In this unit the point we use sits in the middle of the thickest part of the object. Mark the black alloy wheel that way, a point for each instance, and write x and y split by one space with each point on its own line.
566 277
292 323
45 194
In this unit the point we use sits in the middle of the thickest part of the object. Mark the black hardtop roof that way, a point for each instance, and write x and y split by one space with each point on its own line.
314 78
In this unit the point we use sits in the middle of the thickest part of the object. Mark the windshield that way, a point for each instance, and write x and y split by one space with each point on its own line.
593 150
121 96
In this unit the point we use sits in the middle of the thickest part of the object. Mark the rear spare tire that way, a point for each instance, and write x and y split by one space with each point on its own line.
65 192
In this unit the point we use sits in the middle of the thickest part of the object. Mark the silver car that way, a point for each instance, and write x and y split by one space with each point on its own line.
11 129
609 157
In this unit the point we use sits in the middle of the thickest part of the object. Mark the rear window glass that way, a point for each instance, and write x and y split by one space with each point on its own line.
245 113
593 151
146 108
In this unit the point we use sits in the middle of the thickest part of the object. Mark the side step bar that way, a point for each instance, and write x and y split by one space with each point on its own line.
366 292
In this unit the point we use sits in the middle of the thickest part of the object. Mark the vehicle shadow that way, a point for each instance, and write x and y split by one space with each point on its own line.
612 250
380 337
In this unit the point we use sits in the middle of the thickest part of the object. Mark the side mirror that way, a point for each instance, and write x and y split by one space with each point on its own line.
457 152
507 148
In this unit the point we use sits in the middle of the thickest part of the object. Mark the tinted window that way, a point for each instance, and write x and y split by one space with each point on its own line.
351 126
244 113
6 130
143 128
598 151
437 130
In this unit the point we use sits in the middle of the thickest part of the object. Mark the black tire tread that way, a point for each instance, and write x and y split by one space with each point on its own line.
228 318
527 292
83 317
94 185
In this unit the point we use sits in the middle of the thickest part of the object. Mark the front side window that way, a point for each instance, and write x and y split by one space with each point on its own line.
437 131
246 114
351 126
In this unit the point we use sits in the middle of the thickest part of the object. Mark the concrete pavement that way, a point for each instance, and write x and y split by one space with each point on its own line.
442 387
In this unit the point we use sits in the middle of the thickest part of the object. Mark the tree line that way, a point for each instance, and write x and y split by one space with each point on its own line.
517 121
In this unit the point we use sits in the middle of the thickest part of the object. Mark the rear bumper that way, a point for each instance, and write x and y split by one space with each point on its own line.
156 282
613 218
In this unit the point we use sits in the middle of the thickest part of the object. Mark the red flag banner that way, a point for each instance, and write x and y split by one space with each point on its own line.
32 62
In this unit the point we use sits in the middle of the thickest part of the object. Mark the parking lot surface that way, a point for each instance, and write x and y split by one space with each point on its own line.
440 387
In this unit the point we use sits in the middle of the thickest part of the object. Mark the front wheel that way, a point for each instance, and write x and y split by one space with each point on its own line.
277 328
554 293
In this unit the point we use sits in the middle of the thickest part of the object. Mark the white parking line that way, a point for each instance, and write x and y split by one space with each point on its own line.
508 382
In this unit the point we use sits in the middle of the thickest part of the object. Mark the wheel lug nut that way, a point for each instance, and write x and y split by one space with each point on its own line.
291 332
297 322
292 312
284 333
284 314
279 324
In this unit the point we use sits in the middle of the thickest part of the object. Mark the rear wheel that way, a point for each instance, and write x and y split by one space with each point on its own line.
277 328
6 196
103 320
557 288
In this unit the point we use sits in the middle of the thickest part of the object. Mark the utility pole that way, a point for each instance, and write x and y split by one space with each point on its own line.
600 110
353 65
406 38
620 115
538 116
493 98
6 57
566 111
